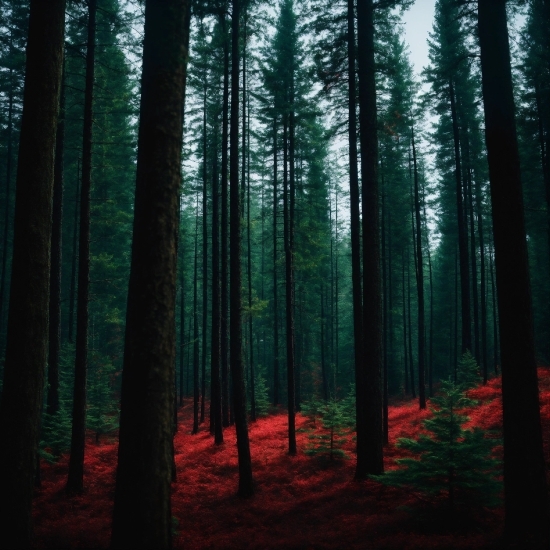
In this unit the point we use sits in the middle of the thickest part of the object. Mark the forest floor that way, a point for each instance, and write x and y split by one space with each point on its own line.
300 501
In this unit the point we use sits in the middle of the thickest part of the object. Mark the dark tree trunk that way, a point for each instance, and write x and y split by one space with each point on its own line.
196 356
75 478
462 233
526 514
405 351
473 260
182 323
275 289
369 430
419 286
224 342
246 484
204 261
74 261
55 267
27 338
495 313
323 346
288 205
483 284
142 513
385 427
409 330
7 210
216 404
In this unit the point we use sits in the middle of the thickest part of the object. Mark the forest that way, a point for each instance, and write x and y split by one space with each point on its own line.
267 283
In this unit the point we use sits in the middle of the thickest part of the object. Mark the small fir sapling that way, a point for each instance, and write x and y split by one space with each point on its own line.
331 423
450 463
261 395
468 372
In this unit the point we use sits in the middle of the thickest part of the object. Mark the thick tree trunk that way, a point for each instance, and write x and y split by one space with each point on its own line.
526 514
142 514
246 484
182 324
369 430
55 267
75 478
27 341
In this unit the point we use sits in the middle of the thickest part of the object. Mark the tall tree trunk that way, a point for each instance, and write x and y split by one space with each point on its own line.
355 222
419 286
7 210
524 468
369 430
216 404
409 330
275 283
246 484
74 261
323 346
462 232
495 312
224 341
204 262
196 356
405 351
385 426
75 478
55 267
182 322
288 203
142 515
27 329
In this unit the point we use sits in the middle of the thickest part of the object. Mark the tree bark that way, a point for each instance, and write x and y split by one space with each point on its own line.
275 283
55 266
246 484
75 479
142 514
419 286
369 432
204 261
27 338
525 491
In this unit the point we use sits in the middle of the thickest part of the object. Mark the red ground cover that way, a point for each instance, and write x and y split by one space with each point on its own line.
300 501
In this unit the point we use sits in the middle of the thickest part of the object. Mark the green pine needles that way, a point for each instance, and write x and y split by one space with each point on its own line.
450 464
331 425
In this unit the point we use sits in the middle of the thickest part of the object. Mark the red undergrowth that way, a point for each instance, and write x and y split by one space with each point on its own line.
300 501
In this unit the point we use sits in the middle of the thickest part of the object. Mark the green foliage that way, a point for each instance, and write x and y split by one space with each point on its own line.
468 372
450 463
261 396
331 424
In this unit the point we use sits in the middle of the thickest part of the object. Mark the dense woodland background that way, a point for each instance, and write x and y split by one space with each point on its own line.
437 257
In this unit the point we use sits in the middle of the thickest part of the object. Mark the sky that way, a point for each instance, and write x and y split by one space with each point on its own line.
418 21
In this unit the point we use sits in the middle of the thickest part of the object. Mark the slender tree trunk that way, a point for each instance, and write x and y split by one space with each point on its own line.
75 479
323 345
462 232
204 262
525 493
216 405
142 515
74 261
196 383
224 342
246 484
495 314
275 289
27 328
5 239
385 427
409 330
473 260
287 237
55 268
405 339
182 321
419 286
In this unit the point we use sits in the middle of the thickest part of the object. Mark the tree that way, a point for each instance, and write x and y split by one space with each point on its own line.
246 483
76 464
142 516
369 398
524 468
26 351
